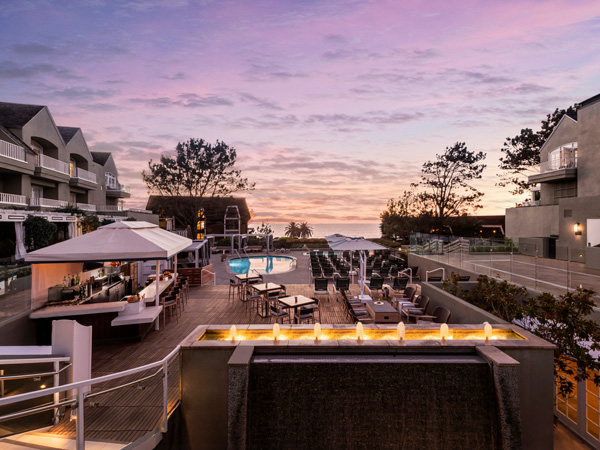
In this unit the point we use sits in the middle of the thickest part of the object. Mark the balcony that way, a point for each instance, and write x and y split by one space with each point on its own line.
47 167
111 208
77 172
85 206
48 203
12 199
118 190
82 178
12 151
556 170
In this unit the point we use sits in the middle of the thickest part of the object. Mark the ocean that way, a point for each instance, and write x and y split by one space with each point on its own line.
320 230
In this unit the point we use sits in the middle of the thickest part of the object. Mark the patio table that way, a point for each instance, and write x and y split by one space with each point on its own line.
263 289
296 302
384 313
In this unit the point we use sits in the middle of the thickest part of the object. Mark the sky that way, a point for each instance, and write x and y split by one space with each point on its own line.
332 106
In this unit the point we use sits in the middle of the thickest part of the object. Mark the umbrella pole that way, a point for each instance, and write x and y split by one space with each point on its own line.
156 300
175 279
362 274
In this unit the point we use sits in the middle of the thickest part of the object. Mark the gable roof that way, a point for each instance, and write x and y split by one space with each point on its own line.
9 136
589 101
67 133
101 157
16 115
564 117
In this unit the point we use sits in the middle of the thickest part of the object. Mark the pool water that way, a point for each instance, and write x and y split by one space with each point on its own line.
263 264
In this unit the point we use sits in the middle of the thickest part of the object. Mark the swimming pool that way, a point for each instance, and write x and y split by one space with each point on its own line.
263 264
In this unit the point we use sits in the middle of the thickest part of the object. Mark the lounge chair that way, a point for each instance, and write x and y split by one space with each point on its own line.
375 284
419 308
341 284
440 314
464 278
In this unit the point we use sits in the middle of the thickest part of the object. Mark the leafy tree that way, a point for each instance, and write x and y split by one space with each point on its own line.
198 171
522 152
264 228
447 181
39 232
292 230
305 230
406 214
90 223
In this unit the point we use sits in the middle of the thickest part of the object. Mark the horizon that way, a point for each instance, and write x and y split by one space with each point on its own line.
332 107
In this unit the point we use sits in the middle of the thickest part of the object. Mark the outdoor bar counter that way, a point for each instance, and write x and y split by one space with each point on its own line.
117 320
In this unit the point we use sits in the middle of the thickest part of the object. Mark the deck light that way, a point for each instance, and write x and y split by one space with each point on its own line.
578 229
276 331
43 386
401 331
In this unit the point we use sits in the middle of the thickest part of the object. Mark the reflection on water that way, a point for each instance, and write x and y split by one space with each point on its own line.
262 264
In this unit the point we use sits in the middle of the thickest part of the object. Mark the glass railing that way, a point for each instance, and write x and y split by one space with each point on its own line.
53 164
83 174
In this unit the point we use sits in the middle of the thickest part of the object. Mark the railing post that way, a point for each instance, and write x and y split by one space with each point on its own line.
80 437
165 397
57 394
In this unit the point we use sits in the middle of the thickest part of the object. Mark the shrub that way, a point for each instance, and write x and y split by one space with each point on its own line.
38 232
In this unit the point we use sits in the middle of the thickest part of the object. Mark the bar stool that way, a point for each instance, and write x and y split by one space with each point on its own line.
170 301
234 288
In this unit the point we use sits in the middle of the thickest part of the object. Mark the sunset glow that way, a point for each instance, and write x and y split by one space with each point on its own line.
333 106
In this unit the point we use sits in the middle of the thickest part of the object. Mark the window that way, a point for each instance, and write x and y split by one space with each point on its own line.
564 157
37 192
565 190
73 168
37 148
568 213
111 180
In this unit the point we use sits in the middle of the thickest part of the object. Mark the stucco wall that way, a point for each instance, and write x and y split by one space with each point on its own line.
588 183
532 221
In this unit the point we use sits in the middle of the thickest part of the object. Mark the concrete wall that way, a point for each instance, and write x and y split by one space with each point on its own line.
19 330
588 183
532 221
535 247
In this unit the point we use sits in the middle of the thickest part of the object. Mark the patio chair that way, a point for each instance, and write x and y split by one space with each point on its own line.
418 309
375 284
252 298
399 284
314 308
415 273
328 272
321 287
277 312
440 314
464 278
169 302
407 297
234 288
341 284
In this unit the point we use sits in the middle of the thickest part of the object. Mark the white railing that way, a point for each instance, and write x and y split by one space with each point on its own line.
53 164
81 396
140 211
85 206
118 187
558 164
110 208
48 203
13 199
214 278
12 151
180 232
83 174
435 270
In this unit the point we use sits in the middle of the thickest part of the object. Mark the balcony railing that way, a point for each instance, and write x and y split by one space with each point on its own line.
12 151
48 203
558 164
119 187
111 208
13 199
85 206
77 172
53 164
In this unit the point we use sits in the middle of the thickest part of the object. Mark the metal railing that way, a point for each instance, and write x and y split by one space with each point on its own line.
12 151
558 164
53 164
85 206
110 208
81 396
214 278
118 187
48 203
13 199
435 270
77 172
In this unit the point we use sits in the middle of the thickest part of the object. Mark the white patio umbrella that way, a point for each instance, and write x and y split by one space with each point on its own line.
339 242
119 241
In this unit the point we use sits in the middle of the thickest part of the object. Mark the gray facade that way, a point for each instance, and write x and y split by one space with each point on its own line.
47 167
568 184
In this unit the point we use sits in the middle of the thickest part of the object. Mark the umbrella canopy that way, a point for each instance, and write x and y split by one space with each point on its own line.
119 241
345 243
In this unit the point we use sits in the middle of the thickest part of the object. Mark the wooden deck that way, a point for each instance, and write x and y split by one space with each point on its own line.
128 414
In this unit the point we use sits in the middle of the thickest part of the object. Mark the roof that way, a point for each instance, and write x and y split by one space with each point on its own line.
7 135
119 241
16 115
101 157
214 208
589 101
67 133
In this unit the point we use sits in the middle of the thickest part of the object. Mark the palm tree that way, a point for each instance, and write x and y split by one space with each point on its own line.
292 230
305 230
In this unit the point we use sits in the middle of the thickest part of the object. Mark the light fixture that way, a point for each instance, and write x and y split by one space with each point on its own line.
578 229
